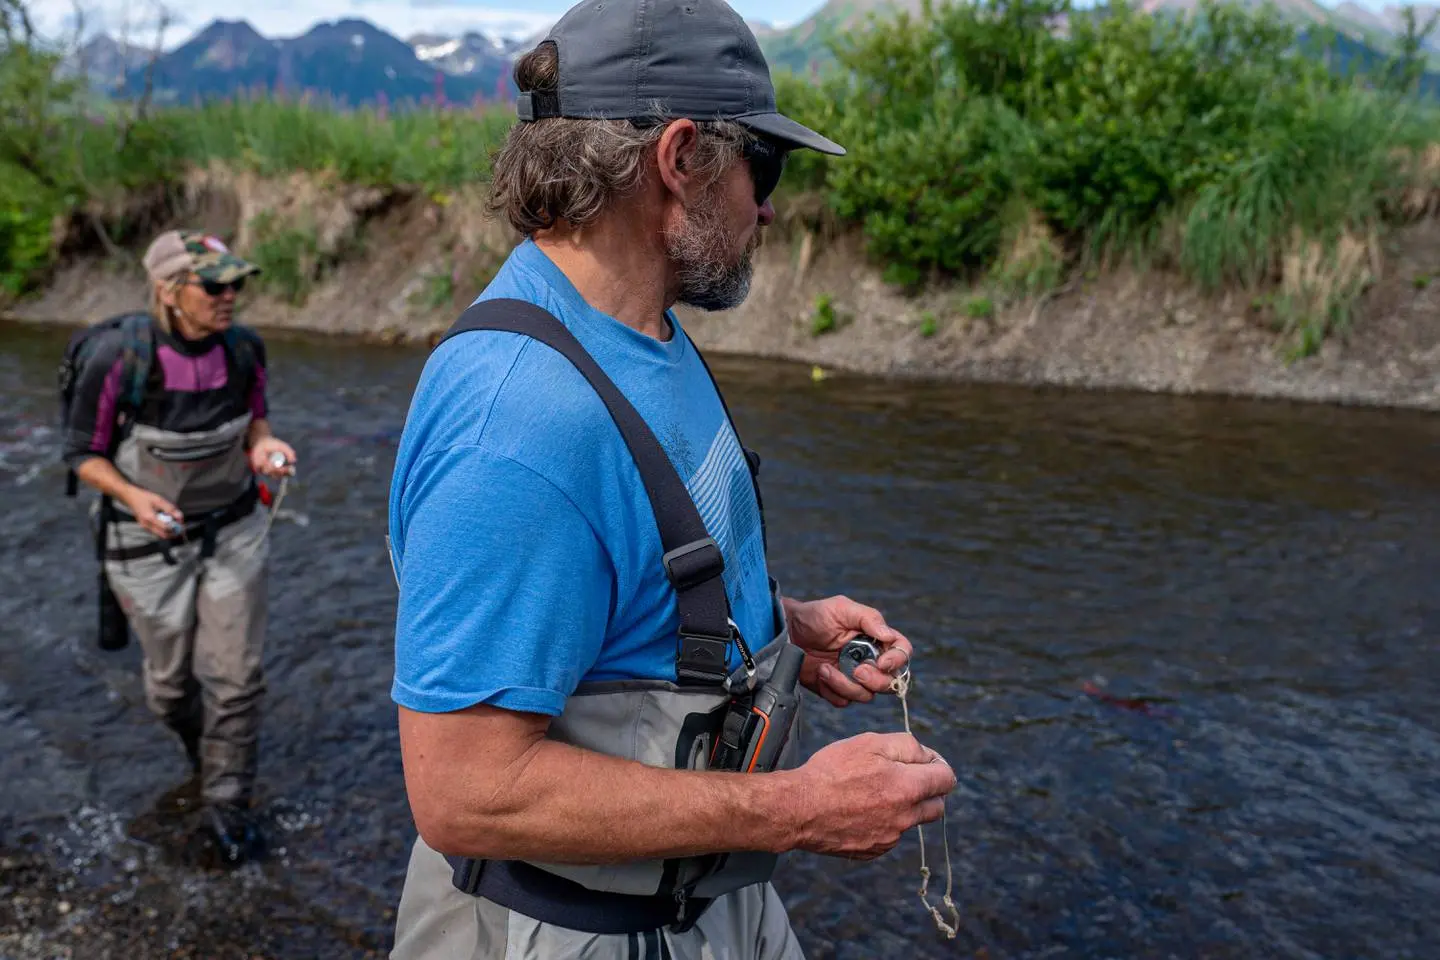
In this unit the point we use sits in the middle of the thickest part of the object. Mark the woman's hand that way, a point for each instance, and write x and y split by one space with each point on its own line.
263 459
156 514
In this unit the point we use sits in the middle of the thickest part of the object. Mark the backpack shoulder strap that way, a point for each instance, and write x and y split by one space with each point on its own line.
240 342
693 561
137 352
240 353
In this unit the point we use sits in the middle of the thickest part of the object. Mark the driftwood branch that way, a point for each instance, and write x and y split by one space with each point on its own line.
13 12
162 23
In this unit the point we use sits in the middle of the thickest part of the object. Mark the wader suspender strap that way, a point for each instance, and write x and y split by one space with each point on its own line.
693 560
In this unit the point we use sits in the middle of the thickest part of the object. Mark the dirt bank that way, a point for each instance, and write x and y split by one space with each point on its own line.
1122 330
396 266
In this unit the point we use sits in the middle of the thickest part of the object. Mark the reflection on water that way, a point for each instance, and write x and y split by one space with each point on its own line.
1181 653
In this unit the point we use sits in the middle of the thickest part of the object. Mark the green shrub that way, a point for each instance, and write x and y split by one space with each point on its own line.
981 137
288 256
930 195
26 211
824 318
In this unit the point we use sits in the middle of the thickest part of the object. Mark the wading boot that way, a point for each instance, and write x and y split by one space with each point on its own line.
190 740
234 832
189 726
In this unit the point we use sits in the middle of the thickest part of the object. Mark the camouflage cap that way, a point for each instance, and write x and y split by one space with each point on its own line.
176 253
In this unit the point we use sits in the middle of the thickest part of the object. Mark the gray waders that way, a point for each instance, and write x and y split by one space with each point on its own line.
720 905
197 601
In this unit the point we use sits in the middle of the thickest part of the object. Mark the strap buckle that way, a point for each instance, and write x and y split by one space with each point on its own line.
694 563
704 660
466 873
687 911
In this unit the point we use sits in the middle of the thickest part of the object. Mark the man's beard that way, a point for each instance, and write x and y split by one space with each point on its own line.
709 278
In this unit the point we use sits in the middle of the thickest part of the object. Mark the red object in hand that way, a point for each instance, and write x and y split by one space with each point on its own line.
266 497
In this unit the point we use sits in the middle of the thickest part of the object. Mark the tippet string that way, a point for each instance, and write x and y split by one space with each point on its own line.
270 520
901 686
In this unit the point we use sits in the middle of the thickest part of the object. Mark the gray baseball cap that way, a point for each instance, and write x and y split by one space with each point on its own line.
620 59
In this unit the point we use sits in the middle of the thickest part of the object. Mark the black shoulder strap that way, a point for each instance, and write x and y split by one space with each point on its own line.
693 560
240 352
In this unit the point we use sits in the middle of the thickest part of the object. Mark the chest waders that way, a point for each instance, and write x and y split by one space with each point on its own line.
678 725
205 473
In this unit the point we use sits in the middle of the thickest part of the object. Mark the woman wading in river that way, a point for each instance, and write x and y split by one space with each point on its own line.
166 416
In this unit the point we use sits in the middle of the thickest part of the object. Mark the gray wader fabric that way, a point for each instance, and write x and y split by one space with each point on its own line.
660 725
197 472
438 922
200 620
201 626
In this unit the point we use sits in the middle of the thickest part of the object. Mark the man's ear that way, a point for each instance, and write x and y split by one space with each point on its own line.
674 155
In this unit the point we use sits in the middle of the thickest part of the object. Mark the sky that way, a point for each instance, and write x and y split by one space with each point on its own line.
278 18
285 18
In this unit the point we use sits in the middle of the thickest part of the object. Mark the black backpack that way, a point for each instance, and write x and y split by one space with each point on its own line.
138 354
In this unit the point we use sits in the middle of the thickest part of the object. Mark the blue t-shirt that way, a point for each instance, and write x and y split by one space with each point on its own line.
526 549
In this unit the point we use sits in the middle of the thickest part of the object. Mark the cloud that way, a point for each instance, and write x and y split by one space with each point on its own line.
274 18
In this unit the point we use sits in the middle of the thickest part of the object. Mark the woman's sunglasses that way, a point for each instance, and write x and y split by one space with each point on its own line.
767 164
215 288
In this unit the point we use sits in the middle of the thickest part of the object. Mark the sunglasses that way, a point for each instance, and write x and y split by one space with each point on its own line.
767 163
765 157
215 288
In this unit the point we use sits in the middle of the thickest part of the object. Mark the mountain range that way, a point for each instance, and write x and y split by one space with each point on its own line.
349 61
803 48
353 62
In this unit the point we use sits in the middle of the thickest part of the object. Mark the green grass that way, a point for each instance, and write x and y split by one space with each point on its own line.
290 253
436 290
823 319
979 308
428 149
97 161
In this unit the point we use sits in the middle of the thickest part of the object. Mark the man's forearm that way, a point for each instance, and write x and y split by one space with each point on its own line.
563 804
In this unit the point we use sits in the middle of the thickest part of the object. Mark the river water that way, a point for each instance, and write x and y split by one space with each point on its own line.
1180 652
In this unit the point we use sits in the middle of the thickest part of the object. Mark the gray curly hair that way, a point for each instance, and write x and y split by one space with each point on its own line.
573 170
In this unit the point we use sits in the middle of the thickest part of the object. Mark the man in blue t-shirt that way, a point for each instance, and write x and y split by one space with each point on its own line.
544 722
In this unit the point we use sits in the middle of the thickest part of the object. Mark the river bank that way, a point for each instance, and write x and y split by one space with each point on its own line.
397 266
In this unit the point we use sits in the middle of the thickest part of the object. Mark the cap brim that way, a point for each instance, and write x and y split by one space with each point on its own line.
228 271
782 128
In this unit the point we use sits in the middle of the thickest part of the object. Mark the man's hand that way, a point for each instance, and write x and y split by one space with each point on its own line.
822 627
486 782
147 508
863 793
264 450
